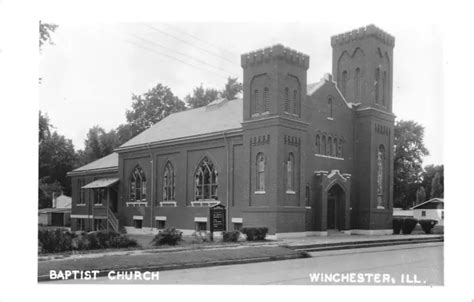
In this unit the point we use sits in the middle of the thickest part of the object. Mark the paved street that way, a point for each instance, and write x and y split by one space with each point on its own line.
419 263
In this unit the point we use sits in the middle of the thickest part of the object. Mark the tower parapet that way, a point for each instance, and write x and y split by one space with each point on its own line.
274 52
362 33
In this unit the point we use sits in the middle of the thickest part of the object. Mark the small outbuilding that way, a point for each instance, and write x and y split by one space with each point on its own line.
58 215
430 209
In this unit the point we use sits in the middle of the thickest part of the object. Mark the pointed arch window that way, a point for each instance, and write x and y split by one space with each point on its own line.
266 99
329 146
295 101
290 173
357 84
318 144
256 107
323 145
287 99
137 186
384 88
377 85
260 172
344 82
330 112
206 181
169 183
339 148
334 147
380 175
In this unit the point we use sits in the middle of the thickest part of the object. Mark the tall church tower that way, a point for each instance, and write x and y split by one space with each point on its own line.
274 89
363 71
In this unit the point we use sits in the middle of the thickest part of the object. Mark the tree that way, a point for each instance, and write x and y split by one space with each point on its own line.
420 195
45 30
232 89
151 107
408 160
46 191
98 144
44 127
428 177
56 158
436 186
202 97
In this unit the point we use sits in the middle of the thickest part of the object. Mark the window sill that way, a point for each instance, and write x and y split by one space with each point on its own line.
290 192
327 156
292 114
80 205
168 203
330 118
205 203
261 114
259 192
308 208
98 205
136 203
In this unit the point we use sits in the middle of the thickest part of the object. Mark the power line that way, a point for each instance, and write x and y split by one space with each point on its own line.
192 44
180 53
234 54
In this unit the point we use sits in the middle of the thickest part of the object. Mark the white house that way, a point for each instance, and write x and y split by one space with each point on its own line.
59 214
430 209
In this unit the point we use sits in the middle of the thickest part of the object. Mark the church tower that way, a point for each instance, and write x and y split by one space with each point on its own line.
274 89
363 71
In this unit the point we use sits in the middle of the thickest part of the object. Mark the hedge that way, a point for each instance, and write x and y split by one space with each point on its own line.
427 225
255 233
408 225
230 236
167 236
397 223
54 241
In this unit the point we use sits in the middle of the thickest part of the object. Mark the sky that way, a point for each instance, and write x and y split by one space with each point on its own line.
92 70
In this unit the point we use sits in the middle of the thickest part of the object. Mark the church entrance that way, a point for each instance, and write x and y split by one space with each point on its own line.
335 208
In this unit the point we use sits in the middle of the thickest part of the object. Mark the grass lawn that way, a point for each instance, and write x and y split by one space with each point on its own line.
149 260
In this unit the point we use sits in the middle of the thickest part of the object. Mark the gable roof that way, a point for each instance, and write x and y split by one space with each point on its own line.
107 162
434 203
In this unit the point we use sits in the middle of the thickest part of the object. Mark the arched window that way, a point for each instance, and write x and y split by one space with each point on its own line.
323 145
334 147
384 88
256 106
329 151
380 174
344 82
287 100
168 183
318 144
137 185
260 172
377 85
330 107
205 181
339 148
295 101
290 173
357 84
265 99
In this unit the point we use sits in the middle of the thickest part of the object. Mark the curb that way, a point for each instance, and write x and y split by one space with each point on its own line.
363 244
168 267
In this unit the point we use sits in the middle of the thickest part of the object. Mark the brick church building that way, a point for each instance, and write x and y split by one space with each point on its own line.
298 158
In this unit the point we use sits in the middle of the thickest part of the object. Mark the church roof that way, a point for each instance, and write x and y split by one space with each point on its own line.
220 115
106 162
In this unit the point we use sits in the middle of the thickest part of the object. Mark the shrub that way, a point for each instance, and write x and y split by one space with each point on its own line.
397 223
230 236
255 233
52 241
57 240
427 225
408 225
167 236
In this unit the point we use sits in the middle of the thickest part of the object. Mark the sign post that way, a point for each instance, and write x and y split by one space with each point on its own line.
218 223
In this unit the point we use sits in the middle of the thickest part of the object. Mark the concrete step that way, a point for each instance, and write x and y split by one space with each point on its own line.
362 244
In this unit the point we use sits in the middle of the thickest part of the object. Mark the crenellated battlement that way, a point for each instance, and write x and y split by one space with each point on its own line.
277 51
361 33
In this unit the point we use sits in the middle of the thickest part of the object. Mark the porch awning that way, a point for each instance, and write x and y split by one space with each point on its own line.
101 183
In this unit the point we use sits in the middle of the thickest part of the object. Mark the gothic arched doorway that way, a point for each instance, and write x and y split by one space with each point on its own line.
335 208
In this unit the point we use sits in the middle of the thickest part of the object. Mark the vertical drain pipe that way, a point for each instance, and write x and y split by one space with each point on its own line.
152 202
227 191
